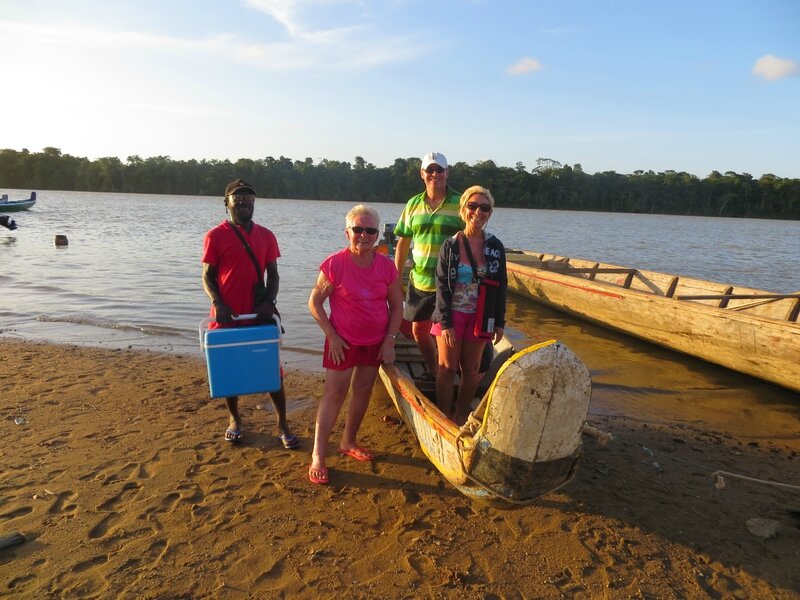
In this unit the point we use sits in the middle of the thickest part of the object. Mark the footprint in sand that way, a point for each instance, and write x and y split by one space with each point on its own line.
130 488
103 526
88 564
421 565
83 580
166 505
19 584
64 503
107 522
15 514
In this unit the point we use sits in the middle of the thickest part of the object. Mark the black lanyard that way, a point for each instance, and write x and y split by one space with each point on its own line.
471 259
259 272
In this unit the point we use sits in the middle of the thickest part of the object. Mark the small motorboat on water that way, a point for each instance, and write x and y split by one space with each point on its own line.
7 205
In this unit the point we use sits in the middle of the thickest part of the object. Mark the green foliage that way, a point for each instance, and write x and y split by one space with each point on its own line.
549 185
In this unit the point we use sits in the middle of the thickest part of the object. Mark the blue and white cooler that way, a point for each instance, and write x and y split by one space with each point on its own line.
242 360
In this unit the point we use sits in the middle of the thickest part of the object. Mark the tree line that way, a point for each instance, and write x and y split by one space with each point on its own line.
548 185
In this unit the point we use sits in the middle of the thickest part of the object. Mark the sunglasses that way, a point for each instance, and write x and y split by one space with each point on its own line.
357 229
485 207
242 198
431 169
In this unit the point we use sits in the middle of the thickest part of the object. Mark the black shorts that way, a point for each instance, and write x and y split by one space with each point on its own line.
419 305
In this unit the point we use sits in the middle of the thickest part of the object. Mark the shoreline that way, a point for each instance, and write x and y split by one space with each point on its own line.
121 484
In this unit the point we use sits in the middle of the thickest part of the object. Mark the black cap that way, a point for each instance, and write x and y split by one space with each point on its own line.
239 186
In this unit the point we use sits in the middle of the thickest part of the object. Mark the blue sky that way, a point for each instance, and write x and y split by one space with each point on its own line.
692 86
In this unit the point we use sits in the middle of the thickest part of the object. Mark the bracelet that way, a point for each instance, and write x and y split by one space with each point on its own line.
394 337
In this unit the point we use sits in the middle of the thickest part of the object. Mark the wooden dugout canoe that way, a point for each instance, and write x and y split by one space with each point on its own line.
522 441
748 330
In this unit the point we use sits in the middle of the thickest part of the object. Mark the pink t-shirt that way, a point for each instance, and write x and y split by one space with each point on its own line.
359 310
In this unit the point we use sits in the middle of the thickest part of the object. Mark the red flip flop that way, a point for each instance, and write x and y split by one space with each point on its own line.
322 479
358 453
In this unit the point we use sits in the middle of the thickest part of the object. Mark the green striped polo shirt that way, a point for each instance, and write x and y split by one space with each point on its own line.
428 229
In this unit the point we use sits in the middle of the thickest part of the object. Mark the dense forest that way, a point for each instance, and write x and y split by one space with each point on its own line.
548 185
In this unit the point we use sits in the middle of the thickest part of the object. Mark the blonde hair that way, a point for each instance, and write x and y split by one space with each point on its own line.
361 209
474 191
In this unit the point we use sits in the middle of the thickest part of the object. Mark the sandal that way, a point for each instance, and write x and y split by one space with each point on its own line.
358 453
290 442
234 436
322 475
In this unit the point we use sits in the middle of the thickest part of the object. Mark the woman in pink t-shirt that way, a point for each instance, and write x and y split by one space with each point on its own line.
366 307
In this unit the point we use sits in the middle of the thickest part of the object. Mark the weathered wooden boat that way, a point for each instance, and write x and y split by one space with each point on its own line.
7 205
748 330
521 441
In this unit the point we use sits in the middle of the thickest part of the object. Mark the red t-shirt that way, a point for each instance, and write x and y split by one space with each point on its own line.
236 274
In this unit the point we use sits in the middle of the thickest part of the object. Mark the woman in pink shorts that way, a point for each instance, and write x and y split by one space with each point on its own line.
365 298
467 260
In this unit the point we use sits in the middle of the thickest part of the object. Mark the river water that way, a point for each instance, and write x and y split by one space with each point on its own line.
130 277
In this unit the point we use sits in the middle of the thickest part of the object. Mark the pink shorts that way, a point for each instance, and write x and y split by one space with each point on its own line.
463 324
354 356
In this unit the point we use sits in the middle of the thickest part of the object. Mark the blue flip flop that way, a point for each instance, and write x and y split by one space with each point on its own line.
290 442
234 436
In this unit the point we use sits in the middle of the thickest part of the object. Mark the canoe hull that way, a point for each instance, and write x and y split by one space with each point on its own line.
758 345
435 432
521 442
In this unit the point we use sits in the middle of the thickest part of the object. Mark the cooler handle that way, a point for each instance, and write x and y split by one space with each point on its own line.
203 327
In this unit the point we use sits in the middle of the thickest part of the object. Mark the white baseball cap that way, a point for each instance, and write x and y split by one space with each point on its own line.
434 157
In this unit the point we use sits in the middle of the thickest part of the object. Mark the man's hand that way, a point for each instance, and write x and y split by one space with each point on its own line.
265 311
223 313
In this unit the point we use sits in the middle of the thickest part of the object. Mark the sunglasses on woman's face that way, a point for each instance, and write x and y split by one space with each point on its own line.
358 230
431 169
485 207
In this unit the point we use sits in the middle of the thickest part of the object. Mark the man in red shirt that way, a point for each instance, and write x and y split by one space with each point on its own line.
229 278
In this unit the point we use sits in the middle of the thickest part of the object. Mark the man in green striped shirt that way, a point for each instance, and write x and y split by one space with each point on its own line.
428 219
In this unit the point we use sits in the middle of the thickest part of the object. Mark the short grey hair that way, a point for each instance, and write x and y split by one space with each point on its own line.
361 209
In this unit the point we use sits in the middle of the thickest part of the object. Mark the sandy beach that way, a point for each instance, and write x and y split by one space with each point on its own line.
114 471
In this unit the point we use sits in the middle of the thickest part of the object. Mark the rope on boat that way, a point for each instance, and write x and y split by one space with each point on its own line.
719 481
474 424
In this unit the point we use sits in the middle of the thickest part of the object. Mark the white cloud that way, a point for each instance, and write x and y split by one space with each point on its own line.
771 68
524 65
349 47
295 17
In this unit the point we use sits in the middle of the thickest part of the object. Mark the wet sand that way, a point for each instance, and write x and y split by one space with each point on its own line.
119 480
